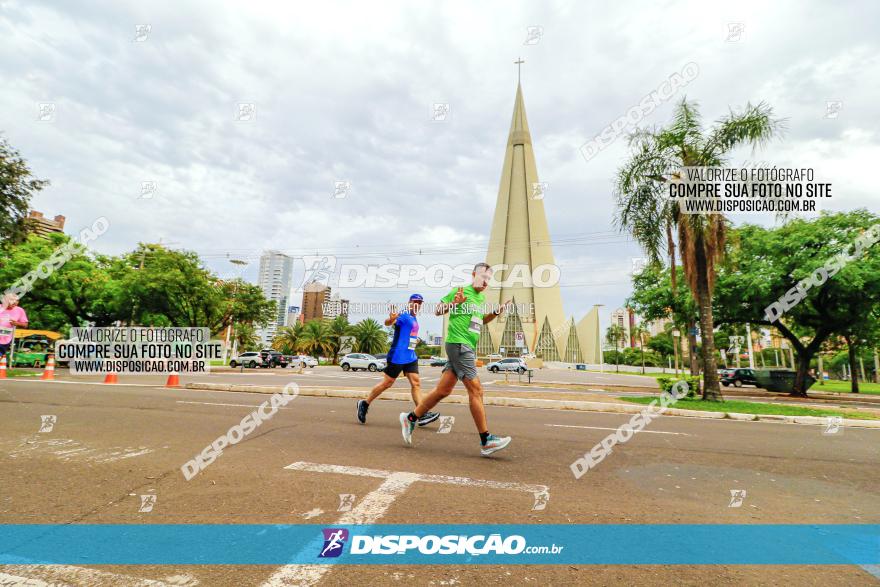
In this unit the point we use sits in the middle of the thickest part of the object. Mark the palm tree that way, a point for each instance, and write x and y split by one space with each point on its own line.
315 339
656 222
641 333
370 336
614 335
338 328
246 337
287 339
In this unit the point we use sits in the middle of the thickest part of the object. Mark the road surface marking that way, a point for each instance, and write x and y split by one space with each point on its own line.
233 405
604 428
51 575
372 507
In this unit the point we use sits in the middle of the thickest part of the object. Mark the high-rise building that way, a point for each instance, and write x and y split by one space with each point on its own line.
621 317
41 226
274 278
335 307
293 315
520 239
315 295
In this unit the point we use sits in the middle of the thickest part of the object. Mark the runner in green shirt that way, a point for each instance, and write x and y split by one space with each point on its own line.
466 308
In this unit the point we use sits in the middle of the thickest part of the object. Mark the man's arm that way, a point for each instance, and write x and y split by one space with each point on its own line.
491 316
449 301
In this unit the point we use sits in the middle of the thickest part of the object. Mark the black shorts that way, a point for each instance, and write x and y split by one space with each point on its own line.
4 348
393 370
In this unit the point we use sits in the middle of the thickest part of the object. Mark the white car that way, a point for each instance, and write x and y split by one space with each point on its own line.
249 359
306 360
517 365
355 361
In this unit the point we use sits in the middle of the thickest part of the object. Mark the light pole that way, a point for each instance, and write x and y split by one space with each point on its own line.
675 335
749 342
599 336
241 265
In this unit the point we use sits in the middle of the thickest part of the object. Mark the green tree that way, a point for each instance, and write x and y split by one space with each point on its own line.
641 333
315 339
82 289
613 336
644 211
288 338
338 328
246 336
766 264
17 187
370 337
236 301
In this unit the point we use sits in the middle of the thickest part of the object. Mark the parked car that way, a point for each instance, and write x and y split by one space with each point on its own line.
355 361
306 360
249 359
518 365
273 358
437 362
738 377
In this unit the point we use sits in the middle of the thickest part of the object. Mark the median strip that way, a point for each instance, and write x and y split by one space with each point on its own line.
516 402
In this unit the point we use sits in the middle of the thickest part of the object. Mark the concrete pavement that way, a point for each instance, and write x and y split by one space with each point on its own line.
110 445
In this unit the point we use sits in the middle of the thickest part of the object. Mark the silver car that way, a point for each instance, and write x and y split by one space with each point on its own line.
355 361
517 365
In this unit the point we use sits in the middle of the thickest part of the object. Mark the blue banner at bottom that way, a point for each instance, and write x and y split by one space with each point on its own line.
386 544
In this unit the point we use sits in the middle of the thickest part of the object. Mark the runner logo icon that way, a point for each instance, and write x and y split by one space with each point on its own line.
334 540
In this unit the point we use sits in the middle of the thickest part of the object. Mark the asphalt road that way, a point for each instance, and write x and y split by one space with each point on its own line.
111 444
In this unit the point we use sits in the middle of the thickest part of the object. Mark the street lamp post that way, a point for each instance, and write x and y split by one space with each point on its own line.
675 335
241 265
599 335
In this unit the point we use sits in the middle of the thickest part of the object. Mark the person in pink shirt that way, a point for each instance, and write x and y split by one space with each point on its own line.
11 316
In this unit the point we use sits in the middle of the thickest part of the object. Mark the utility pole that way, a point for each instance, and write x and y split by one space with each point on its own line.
749 342
675 335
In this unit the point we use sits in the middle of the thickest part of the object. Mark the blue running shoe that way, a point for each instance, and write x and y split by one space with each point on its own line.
428 418
493 444
363 407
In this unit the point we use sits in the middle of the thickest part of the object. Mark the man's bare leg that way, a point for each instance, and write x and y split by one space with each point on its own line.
443 389
415 387
380 387
475 397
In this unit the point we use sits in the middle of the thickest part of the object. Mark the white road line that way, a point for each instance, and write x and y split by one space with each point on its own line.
53 575
372 507
233 405
604 428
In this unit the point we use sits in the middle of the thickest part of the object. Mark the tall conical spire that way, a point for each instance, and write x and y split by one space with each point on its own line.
520 237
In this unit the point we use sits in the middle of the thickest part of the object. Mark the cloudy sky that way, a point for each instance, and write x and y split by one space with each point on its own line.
344 92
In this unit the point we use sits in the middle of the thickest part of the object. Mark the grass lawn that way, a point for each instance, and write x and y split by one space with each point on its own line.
741 407
622 372
837 386
23 373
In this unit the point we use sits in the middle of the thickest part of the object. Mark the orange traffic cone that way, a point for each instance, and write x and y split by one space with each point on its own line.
111 378
173 380
49 372
3 367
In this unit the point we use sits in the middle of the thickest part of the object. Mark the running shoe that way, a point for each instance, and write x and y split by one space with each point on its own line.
407 427
428 418
363 407
493 444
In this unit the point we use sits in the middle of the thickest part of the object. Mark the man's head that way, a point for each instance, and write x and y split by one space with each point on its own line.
415 303
482 274
9 300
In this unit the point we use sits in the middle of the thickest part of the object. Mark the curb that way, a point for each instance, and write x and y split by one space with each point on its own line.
548 404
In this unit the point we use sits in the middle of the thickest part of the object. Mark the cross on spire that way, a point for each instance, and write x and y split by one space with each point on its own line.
518 63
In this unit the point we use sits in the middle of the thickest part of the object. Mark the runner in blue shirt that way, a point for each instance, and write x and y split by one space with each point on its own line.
401 359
